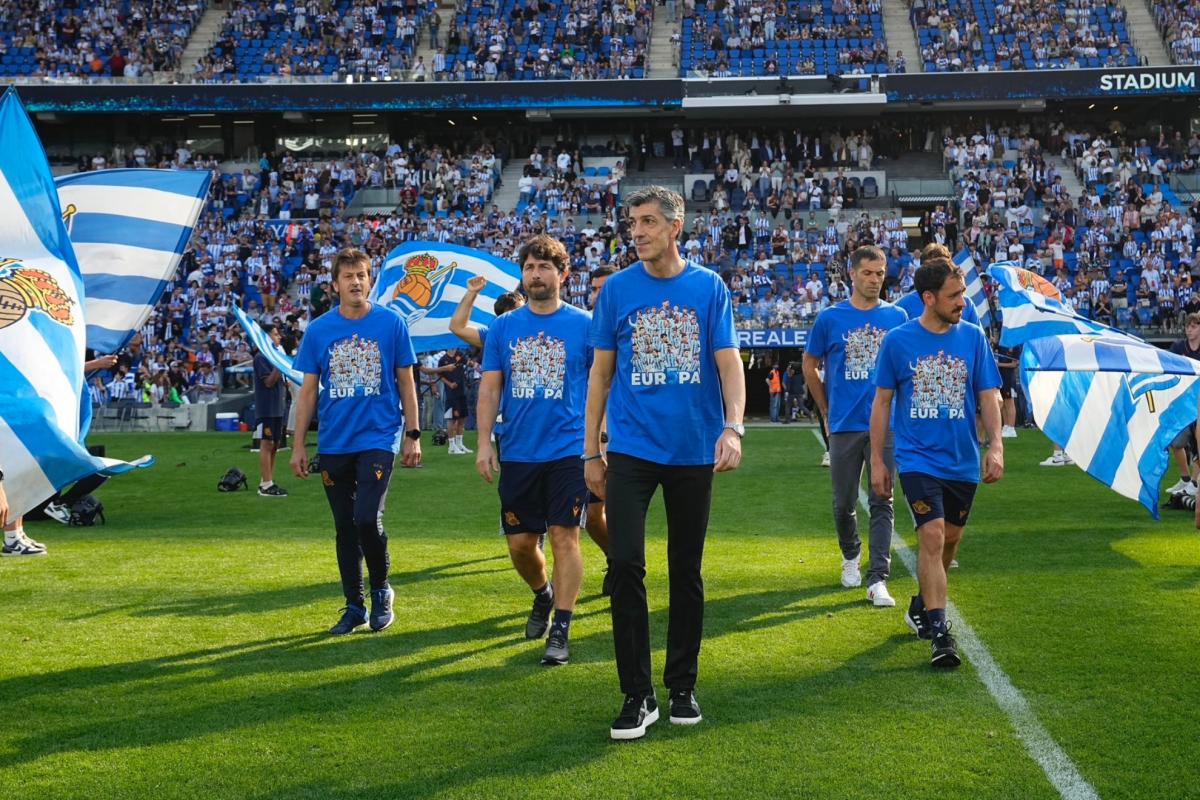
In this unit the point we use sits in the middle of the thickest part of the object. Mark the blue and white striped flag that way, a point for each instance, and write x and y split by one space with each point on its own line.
423 282
44 409
975 293
130 228
1113 403
271 351
1031 307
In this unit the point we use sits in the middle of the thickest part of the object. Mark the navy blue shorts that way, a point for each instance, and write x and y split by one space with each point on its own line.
933 498
534 496
272 429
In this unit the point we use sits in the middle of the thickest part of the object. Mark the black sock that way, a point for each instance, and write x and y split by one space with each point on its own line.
562 622
544 592
937 621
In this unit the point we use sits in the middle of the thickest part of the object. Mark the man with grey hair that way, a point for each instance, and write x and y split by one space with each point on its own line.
845 340
665 350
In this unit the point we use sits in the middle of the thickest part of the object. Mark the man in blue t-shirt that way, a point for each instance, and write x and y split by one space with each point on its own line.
937 370
668 373
269 408
845 341
535 370
358 358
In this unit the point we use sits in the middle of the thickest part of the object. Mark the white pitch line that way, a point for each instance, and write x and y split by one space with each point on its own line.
1054 761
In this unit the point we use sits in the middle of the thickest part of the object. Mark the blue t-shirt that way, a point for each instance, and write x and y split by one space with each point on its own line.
545 359
665 405
937 378
847 340
914 306
357 361
482 330
268 401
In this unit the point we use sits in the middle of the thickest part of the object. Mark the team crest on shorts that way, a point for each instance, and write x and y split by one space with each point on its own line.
511 519
325 479
921 507
421 289
23 289
378 471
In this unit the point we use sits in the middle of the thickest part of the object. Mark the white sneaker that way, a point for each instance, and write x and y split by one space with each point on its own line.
1056 460
825 459
851 576
1179 486
954 563
1008 432
877 593
23 546
453 450
58 512
463 449
1189 489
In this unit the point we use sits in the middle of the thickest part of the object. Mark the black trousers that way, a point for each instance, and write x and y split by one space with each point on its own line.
687 493
356 486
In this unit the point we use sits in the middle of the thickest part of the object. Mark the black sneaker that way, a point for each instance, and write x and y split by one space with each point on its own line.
945 651
274 490
917 618
638 713
539 615
557 651
684 708
352 617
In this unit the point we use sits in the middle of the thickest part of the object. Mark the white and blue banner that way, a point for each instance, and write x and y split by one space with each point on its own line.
271 351
1031 307
44 409
424 281
975 294
1113 403
129 228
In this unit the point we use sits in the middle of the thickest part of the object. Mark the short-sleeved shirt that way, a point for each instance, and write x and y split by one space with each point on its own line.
847 340
665 404
357 361
936 378
457 376
268 402
545 360
914 306
1181 348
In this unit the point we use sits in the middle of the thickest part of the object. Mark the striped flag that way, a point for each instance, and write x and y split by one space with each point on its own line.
271 351
1113 403
44 410
1031 307
129 228
423 282
975 292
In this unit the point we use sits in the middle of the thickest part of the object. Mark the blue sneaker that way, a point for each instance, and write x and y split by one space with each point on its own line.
352 617
381 608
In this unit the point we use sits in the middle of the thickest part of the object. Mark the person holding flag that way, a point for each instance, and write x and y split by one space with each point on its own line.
358 359
270 407
937 371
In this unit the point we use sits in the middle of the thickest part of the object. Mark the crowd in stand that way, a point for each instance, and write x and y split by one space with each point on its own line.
965 36
130 38
1179 23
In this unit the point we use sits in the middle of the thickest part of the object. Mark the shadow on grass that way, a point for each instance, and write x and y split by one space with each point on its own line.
159 700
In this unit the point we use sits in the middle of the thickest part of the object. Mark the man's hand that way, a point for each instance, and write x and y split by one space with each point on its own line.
881 479
477 283
485 460
411 452
452 384
728 455
299 462
100 362
993 464
595 473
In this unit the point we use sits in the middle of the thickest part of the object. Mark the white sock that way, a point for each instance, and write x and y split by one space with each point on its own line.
458 442
266 484
14 536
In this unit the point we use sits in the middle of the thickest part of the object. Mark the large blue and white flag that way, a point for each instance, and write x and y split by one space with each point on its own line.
1032 307
976 295
424 281
44 410
271 351
129 228
1113 403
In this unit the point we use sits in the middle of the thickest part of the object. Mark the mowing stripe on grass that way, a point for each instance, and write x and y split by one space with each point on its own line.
1058 766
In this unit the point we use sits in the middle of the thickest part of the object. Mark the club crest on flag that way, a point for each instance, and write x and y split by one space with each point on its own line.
424 282
69 212
23 289
1033 282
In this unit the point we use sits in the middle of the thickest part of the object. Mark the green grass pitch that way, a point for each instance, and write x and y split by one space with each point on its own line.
178 652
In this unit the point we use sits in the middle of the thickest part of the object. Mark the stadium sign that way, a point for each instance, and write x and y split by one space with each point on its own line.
772 338
1040 85
1159 82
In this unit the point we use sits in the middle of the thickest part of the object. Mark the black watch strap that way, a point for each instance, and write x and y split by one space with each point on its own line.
414 434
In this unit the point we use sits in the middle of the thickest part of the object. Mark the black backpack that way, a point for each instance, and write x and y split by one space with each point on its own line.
232 480
85 510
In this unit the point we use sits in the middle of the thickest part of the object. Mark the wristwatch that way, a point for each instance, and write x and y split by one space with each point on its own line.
737 428
414 434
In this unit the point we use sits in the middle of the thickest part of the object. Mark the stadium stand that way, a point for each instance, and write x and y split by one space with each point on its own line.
982 35
1178 22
